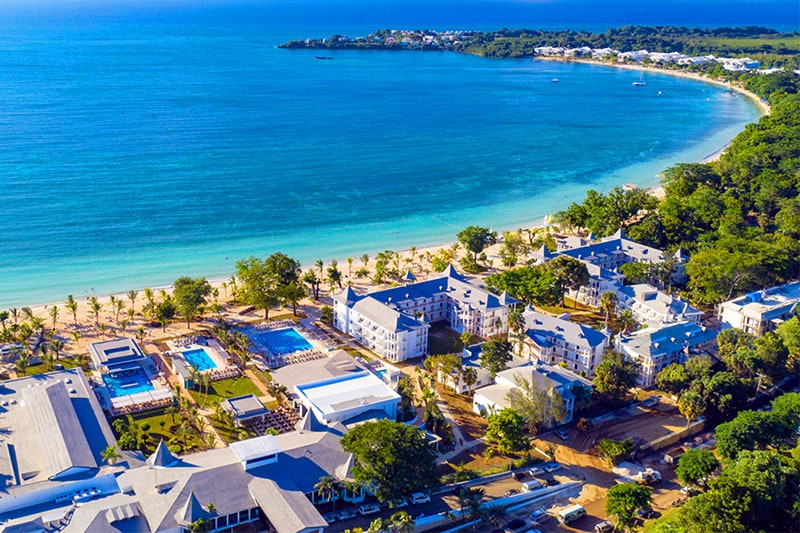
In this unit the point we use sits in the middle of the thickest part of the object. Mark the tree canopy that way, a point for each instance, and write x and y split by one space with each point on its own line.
507 429
623 499
190 296
614 376
392 457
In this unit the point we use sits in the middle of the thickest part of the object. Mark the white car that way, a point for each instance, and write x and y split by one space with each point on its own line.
536 471
551 467
368 509
420 497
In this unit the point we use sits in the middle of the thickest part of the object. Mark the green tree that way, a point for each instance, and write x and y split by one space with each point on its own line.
691 405
531 401
673 378
402 522
507 429
627 321
495 355
391 457
570 273
614 376
695 465
165 311
615 451
72 306
190 296
750 430
622 501
259 284
110 454
476 238
328 489
608 303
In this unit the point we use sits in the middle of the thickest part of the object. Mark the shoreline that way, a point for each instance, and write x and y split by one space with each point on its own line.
656 190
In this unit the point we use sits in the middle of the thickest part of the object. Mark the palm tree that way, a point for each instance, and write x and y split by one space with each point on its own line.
402 522
46 357
350 267
328 489
319 264
151 304
470 376
14 314
54 315
627 320
72 305
117 305
75 336
493 514
3 317
379 525
608 303
110 454
132 294
55 347
95 306
211 508
103 328
140 334
22 363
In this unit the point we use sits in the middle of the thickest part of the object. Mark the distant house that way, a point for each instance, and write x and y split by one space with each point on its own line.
672 456
554 379
656 348
394 322
761 311
653 307
556 340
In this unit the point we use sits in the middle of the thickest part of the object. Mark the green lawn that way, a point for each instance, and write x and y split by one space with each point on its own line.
229 435
42 369
162 426
791 43
666 518
225 388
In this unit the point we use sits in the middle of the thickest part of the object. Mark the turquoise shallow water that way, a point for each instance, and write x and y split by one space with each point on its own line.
134 153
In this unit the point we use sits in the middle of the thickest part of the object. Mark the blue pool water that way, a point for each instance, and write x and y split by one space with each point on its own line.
381 372
199 358
283 341
129 382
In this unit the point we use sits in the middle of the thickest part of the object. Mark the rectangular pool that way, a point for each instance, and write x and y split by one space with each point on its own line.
199 358
284 341
127 382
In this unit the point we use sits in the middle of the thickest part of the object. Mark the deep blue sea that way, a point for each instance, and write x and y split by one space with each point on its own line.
139 145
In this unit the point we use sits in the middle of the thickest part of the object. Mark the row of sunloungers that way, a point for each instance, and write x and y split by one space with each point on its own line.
224 373
298 357
144 406
187 341
278 324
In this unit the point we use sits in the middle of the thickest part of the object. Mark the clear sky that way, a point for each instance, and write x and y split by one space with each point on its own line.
783 14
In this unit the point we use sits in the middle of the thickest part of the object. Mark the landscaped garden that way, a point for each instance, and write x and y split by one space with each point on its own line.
222 389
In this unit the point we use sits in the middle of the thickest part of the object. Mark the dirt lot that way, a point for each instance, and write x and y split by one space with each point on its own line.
643 425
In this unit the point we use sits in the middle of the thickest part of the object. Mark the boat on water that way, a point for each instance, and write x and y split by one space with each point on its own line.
323 57
630 187
640 81
554 80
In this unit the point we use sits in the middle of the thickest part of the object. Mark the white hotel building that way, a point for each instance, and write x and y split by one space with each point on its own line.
394 322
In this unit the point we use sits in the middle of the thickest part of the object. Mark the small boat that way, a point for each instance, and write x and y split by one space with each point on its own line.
630 187
659 93
640 81
323 57
554 80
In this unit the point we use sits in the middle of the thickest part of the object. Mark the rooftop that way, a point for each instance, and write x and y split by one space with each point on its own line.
540 327
671 338
115 351
345 392
244 407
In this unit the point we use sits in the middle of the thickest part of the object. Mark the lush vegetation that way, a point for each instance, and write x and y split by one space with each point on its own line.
391 457
765 44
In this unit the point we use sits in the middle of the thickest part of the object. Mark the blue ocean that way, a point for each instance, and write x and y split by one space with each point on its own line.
142 142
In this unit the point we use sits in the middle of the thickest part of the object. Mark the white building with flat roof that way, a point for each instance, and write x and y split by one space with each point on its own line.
115 353
761 311
347 397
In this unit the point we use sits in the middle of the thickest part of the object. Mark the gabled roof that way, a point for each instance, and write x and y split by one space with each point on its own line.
655 341
162 457
386 316
347 297
540 328
409 276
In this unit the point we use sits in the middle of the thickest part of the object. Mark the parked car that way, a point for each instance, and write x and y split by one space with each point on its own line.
550 481
347 514
604 527
398 504
519 476
647 513
551 467
688 491
420 497
330 517
538 514
510 492
536 470
368 509
515 526
562 434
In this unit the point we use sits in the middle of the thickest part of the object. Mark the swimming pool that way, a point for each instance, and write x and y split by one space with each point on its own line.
381 372
199 358
284 341
127 382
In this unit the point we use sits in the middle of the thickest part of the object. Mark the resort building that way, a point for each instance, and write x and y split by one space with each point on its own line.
551 378
653 307
349 399
115 354
128 379
471 358
244 408
762 311
394 322
556 340
658 347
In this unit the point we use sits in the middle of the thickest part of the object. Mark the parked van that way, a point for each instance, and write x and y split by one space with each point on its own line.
570 514
533 484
